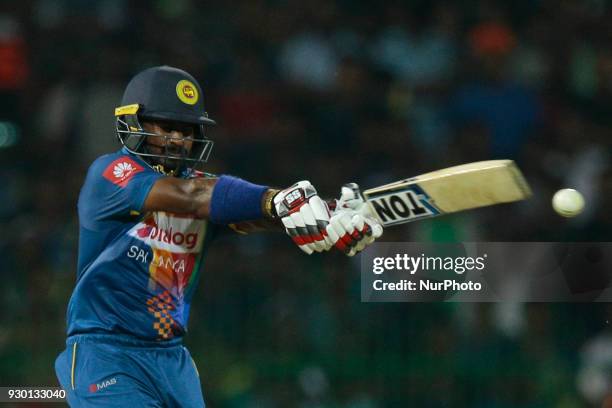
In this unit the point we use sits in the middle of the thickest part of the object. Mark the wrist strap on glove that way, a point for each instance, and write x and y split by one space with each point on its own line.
268 204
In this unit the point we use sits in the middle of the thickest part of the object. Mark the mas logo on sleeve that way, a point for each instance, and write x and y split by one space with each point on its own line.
121 171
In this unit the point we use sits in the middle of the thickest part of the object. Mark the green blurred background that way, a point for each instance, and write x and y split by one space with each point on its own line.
334 92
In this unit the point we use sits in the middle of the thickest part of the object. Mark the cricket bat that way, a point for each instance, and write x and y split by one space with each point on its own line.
449 190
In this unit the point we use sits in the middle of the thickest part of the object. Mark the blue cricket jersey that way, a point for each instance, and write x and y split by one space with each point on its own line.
136 272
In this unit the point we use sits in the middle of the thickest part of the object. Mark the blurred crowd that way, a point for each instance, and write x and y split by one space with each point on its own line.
333 92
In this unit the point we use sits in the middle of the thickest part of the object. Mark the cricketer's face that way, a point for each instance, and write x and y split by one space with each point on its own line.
174 140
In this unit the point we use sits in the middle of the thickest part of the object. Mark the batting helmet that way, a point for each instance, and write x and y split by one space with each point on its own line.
164 94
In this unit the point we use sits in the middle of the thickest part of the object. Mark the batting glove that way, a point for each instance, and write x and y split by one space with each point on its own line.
351 227
305 216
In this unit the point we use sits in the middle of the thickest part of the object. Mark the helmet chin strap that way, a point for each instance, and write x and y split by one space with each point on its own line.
161 164
161 169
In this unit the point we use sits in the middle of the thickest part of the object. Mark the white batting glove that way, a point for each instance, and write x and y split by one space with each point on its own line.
351 227
305 216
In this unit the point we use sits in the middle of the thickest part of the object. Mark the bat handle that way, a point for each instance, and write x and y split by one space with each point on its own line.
351 191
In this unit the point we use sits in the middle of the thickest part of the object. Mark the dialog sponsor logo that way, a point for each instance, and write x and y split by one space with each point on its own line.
169 236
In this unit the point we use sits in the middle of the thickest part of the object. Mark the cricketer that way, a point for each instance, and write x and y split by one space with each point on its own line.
146 215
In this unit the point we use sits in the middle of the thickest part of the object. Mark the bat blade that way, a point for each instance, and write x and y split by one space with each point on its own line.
449 190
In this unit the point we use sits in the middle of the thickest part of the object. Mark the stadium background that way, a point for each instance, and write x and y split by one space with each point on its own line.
332 92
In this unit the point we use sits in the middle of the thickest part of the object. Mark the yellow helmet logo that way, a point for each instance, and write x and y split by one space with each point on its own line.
187 92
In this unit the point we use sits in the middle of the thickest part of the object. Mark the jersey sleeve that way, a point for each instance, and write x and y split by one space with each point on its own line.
116 186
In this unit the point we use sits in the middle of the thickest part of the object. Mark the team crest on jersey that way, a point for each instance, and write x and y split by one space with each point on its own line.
121 171
187 92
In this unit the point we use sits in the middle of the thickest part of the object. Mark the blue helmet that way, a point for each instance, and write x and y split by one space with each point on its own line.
164 94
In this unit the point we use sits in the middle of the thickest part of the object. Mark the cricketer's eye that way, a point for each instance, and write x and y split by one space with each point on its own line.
188 131
185 130
167 127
